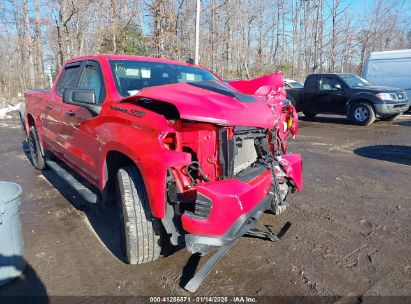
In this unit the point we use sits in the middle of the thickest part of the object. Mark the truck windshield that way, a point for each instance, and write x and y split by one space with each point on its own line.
355 81
131 76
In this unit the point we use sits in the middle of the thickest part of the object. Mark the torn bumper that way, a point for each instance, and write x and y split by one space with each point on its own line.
227 210
293 169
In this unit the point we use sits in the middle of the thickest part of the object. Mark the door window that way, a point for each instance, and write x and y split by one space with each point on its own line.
329 83
91 79
69 78
312 82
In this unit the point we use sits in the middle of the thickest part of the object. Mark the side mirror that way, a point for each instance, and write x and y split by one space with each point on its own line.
337 86
74 96
85 98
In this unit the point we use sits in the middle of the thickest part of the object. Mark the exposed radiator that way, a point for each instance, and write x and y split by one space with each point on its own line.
239 152
246 155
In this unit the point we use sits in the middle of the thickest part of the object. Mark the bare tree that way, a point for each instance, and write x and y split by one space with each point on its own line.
239 38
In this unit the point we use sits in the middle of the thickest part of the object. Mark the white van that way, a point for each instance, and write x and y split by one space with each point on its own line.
390 68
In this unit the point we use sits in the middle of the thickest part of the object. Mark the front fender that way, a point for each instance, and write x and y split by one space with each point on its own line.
293 166
153 166
362 97
139 139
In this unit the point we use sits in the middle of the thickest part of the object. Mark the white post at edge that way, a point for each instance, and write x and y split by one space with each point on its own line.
197 33
50 77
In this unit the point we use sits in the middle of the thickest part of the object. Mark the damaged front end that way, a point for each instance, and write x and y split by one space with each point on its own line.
250 182
236 136
222 194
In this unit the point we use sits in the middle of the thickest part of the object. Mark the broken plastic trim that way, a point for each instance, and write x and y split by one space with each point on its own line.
194 283
195 166
205 244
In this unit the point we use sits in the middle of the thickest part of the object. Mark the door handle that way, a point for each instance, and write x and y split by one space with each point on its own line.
70 114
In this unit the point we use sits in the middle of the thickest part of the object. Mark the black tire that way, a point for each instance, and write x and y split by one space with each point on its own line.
22 123
37 157
362 114
389 118
141 233
309 115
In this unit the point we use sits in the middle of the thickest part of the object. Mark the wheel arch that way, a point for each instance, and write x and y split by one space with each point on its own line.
113 161
361 97
154 175
29 122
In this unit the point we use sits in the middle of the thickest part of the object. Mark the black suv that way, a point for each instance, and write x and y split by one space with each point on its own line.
350 95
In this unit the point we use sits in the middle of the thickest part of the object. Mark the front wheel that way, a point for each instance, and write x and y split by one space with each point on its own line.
362 114
277 205
141 231
389 117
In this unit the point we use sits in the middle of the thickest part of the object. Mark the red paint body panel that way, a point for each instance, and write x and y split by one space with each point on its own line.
202 140
293 166
198 104
231 198
84 141
270 87
259 86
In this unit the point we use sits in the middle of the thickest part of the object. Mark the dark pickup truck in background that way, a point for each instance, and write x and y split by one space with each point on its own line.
350 95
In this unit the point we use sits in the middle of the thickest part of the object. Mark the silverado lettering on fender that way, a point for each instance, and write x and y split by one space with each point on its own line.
186 157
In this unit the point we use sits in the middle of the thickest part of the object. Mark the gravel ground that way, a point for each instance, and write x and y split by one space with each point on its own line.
349 240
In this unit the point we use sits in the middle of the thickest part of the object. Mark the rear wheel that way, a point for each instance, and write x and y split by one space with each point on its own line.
362 114
22 123
309 115
36 155
389 118
141 233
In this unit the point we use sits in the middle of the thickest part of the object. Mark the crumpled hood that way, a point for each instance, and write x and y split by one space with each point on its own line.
211 101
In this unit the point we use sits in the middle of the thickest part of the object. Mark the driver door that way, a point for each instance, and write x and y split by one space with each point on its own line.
83 145
54 115
331 96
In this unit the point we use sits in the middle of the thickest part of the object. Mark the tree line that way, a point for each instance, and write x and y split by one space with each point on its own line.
238 38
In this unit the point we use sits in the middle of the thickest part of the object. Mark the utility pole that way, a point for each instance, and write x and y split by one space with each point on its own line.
50 77
197 33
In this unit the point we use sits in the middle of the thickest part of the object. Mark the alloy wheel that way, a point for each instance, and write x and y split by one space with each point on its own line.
361 114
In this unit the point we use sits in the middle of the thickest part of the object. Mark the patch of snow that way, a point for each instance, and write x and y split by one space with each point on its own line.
9 126
9 108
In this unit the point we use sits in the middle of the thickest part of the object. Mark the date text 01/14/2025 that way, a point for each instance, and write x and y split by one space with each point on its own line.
203 299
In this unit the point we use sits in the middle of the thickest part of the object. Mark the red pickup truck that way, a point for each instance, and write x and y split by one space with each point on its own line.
187 156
